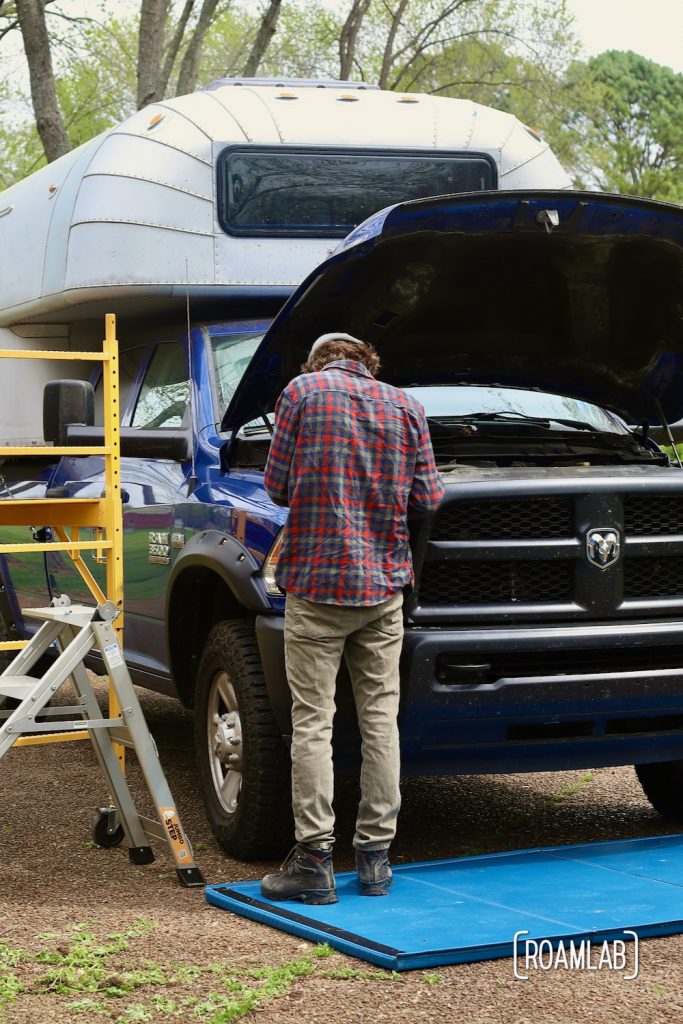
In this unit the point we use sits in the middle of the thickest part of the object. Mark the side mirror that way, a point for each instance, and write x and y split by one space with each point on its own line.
65 402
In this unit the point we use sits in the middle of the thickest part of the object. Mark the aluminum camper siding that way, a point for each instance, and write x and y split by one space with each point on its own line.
132 214
22 382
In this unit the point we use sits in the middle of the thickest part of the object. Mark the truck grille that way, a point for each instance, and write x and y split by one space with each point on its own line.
525 518
524 557
495 582
656 577
644 516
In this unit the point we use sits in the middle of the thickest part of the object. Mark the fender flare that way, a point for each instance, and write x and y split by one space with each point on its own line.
232 563
229 559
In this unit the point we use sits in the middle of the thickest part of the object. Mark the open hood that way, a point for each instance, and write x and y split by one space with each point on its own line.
570 292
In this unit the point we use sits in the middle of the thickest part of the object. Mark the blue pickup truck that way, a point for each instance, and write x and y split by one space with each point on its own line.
543 333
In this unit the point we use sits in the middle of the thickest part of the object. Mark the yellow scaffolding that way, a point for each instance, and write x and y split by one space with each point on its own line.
67 516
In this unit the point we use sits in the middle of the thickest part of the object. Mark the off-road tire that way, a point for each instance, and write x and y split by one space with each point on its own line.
261 826
662 784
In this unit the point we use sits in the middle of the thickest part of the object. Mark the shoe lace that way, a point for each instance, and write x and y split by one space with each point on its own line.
292 855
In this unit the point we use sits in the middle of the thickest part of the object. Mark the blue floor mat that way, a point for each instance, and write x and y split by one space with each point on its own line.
469 908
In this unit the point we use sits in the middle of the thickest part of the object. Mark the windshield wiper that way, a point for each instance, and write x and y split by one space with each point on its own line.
506 416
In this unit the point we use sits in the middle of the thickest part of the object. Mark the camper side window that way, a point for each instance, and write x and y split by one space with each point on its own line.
165 389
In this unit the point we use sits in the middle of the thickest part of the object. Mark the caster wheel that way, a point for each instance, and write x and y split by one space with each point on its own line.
103 837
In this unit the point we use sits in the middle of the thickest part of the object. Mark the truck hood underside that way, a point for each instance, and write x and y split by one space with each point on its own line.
483 289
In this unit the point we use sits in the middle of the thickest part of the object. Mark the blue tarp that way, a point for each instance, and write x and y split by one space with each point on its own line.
469 908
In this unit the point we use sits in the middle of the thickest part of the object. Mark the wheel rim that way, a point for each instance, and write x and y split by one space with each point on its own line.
224 731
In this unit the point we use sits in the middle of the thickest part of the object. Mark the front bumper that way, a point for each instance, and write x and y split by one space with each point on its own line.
520 699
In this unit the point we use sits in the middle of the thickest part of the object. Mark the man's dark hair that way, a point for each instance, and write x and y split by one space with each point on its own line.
334 349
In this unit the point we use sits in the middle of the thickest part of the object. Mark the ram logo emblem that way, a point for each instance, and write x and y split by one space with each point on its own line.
603 546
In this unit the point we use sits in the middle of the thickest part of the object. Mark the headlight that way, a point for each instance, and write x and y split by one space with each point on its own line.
269 567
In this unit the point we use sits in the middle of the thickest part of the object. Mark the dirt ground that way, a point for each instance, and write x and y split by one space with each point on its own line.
86 936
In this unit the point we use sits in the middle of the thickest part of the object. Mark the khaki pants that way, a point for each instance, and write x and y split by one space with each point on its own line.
370 640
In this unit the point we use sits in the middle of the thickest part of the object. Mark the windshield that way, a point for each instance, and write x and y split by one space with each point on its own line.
232 354
466 400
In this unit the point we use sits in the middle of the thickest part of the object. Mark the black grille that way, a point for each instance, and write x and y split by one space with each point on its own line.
456 667
646 578
522 518
493 582
646 514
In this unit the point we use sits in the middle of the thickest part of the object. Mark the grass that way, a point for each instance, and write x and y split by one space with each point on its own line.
10 985
670 452
571 790
95 977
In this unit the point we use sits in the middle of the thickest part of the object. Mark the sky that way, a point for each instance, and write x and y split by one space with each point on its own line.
653 28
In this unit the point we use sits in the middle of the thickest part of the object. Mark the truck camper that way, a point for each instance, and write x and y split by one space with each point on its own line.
230 196
228 229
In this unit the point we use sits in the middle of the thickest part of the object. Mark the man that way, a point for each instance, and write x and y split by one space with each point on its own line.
352 457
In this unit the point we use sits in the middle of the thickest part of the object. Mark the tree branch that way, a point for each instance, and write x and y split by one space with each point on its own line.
174 46
189 67
263 37
348 37
420 41
388 55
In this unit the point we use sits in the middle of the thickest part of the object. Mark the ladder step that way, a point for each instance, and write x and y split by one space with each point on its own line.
77 630
83 512
77 615
16 353
18 687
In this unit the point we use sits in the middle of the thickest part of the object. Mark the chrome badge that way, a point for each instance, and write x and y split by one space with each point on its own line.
159 549
603 547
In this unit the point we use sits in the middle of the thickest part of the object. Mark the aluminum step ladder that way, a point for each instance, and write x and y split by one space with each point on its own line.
77 630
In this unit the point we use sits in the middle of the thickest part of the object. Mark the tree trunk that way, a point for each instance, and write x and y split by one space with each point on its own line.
388 55
263 37
187 79
349 36
173 47
153 14
31 16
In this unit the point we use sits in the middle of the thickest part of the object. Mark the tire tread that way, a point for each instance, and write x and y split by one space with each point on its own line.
662 784
261 827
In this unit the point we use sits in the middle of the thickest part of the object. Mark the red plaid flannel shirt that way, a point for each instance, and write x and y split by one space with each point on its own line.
352 457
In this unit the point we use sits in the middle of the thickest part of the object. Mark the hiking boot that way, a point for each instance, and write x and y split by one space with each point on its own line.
305 875
374 873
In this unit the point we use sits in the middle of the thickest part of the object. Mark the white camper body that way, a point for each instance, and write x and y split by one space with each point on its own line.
129 222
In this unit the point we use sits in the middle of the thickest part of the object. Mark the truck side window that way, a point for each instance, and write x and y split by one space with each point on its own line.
129 364
165 389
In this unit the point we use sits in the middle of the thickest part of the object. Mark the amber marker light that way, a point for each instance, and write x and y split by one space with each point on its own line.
269 567
533 133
